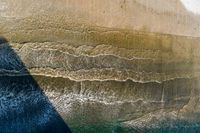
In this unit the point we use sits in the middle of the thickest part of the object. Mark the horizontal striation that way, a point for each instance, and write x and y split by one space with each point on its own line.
103 62
100 74
96 65
124 100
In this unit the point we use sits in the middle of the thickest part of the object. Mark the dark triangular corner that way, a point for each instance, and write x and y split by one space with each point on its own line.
24 108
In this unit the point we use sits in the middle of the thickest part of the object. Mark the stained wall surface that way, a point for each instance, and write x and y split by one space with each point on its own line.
132 62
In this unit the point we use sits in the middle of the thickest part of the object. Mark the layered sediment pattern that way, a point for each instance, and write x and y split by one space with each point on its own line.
94 74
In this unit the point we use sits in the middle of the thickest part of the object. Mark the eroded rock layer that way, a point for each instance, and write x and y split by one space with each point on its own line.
97 73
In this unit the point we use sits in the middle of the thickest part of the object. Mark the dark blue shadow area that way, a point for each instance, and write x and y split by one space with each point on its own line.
24 108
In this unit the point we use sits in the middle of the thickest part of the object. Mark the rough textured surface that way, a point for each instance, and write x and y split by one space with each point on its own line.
131 62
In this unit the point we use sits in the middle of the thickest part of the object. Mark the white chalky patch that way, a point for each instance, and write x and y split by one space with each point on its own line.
192 5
